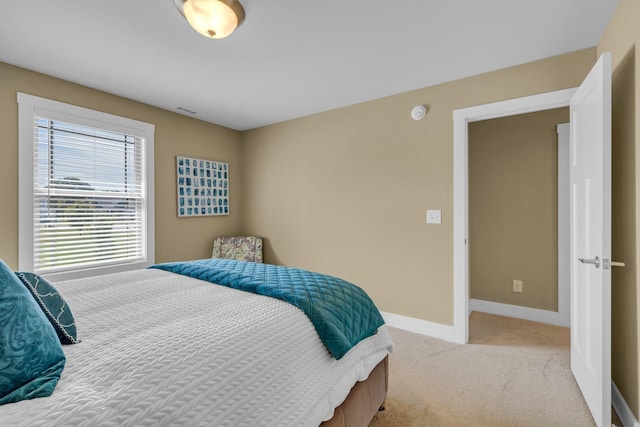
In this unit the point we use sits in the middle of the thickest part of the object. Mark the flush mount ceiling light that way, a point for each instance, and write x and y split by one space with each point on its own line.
215 19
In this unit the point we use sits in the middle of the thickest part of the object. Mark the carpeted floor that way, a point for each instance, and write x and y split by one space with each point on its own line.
512 373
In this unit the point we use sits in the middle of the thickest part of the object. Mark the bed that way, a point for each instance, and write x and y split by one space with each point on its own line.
159 348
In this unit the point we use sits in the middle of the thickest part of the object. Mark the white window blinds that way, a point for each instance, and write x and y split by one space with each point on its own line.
88 196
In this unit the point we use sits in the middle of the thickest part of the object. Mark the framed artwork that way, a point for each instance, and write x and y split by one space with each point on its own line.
203 187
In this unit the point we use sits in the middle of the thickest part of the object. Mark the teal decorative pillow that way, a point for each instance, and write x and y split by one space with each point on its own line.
53 305
31 357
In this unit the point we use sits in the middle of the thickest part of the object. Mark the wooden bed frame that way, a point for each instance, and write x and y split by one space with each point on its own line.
365 399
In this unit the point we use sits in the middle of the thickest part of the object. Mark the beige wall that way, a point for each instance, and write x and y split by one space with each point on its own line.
345 191
513 208
176 239
620 38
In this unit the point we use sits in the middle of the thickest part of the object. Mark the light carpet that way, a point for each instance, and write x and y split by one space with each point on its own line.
512 373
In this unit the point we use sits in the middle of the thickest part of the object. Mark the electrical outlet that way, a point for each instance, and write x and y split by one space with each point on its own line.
517 286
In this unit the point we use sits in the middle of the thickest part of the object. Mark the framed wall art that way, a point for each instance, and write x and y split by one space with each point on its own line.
203 187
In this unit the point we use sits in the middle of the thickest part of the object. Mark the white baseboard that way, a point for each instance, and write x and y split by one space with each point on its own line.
625 413
519 312
419 326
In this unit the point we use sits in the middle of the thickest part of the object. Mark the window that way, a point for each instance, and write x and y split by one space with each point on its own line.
86 190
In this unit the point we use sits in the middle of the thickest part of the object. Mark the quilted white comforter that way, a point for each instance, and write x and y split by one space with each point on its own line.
160 349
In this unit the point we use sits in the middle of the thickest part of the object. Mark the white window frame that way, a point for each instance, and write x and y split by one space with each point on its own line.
30 106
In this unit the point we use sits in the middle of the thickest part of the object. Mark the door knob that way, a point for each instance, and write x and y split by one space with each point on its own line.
595 261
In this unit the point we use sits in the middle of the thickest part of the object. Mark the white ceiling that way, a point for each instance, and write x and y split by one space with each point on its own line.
290 58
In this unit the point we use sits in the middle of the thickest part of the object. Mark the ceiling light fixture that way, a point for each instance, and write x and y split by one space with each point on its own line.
215 19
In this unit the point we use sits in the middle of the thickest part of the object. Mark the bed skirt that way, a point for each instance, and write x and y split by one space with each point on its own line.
365 399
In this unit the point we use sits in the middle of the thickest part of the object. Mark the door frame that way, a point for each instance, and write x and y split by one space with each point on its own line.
461 119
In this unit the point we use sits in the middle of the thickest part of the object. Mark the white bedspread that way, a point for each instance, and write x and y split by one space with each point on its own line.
160 349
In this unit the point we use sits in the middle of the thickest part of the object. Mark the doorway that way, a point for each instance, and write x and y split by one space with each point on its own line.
462 118
519 215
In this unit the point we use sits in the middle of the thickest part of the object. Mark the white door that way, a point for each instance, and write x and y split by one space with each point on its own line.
590 210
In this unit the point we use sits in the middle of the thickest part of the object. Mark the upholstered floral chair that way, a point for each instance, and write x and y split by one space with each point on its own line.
241 248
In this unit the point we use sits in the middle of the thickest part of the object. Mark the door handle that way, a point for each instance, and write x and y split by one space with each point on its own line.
595 261
608 264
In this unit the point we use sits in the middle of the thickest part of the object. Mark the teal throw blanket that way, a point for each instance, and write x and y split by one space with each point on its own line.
341 312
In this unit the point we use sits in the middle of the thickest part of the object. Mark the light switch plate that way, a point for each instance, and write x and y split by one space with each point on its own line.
434 216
